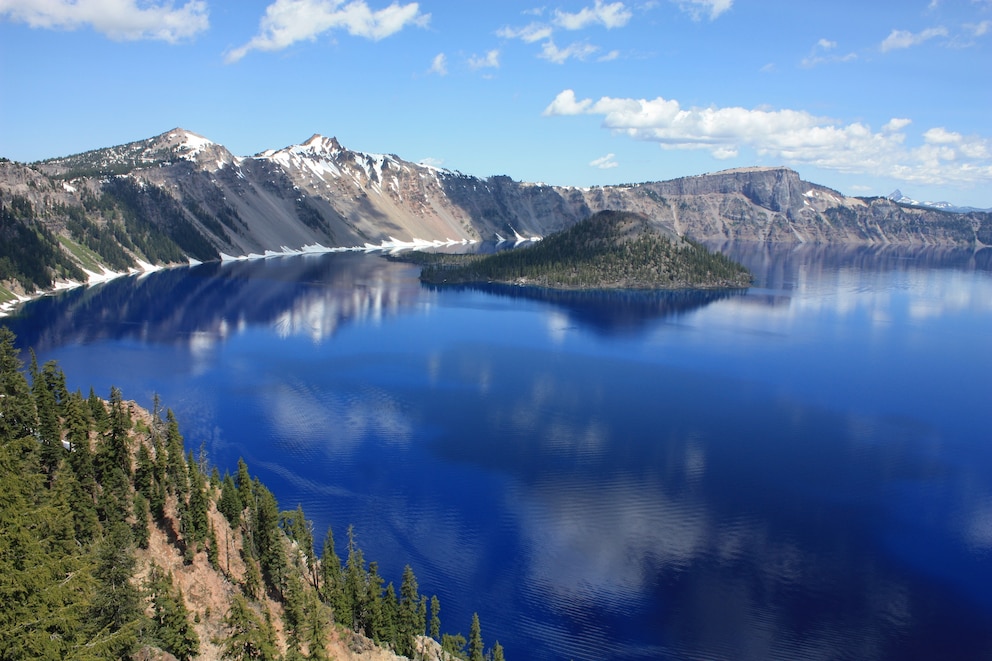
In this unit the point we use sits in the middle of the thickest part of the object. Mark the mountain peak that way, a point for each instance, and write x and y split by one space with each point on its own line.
320 144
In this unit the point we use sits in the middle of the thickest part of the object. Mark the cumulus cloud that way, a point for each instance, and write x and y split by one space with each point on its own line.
488 61
794 136
899 39
612 15
439 65
697 8
289 21
605 162
122 20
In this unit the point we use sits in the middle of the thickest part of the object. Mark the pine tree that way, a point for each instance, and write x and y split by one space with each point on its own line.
498 652
475 646
354 581
140 527
43 386
230 502
17 412
390 615
314 627
98 412
116 605
435 618
373 621
249 638
408 621
268 537
173 629
332 581
120 425
177 473
244 483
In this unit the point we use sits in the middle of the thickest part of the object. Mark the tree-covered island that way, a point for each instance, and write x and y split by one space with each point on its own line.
609 250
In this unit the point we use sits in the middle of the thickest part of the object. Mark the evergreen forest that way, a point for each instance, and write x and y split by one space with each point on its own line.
116 542
609 250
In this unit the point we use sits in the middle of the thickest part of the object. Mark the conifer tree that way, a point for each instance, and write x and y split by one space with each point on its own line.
313 631
268 537
176 462
43 386
372 620
230 502
98 412
120 425
435 618
174 629
354 580
116 604
249 637
390 615
332 581
409 624
141 532
475 646
244 483
17 412
498 652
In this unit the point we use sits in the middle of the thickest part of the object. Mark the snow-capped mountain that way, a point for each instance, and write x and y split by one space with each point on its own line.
180 196
898 197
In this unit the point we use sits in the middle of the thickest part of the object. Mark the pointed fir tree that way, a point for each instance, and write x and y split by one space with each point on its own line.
248 636
475 646
173 627
230 502
435 618
332 586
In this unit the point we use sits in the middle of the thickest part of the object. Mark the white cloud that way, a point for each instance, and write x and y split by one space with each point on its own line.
488 61
529 33
612 15
578 51
820 54
432 162
898 39
793 136
941 136
604 162
979 29
122 20
439 65
696 8
289 21
896 124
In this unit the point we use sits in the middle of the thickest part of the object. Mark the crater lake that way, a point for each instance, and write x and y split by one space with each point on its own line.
799 470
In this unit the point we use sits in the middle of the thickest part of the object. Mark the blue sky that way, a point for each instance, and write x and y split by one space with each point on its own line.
863 96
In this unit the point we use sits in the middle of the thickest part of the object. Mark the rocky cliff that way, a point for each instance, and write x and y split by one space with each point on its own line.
179 195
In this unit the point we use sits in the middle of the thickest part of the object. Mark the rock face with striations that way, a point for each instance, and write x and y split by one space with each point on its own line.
185 195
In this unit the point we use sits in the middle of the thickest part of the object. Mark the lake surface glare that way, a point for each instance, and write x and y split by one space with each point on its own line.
799 471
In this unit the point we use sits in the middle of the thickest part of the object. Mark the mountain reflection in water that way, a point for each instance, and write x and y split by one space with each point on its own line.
799 470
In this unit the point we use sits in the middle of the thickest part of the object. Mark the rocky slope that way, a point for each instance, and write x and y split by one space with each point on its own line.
179 195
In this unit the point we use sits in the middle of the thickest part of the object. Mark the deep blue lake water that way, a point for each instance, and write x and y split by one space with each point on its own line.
802 470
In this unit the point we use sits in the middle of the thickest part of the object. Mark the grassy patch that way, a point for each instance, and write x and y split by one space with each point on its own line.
88 259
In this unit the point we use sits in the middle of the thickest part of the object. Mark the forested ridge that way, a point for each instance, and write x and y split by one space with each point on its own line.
609 250
118 543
